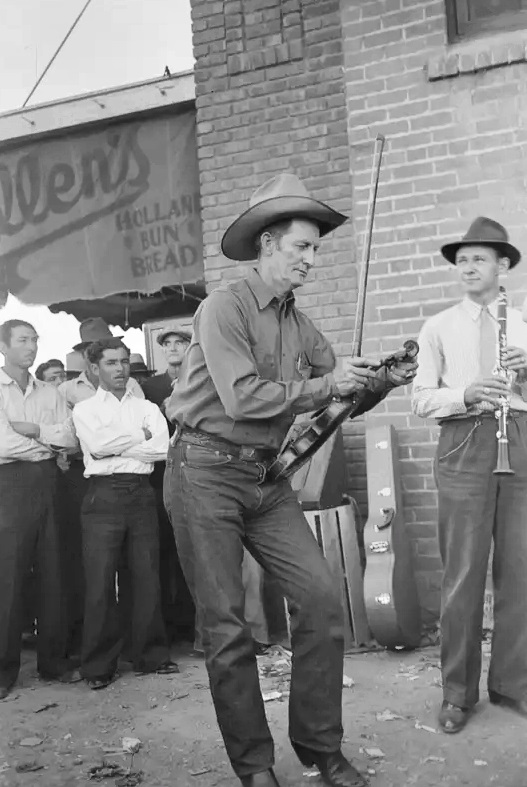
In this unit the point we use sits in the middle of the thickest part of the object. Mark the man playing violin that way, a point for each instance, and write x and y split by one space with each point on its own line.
457 385
254 363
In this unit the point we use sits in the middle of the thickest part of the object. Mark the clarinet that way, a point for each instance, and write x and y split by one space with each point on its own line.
503 466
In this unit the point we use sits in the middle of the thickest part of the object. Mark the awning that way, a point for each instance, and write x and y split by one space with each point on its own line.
105 221
132 309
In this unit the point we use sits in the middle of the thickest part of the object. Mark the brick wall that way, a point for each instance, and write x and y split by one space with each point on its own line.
271 98
456 129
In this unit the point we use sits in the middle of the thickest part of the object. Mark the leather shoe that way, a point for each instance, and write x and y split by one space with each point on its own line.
520 706
261 779
334 768
452 718
4 691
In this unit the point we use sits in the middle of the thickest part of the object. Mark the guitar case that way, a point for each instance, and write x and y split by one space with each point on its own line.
390 590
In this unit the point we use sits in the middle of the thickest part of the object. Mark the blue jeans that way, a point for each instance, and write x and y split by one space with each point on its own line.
217 505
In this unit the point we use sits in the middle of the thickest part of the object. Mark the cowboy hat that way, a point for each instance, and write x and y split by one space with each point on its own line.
138 365
175 330
92 330
282 197
484 232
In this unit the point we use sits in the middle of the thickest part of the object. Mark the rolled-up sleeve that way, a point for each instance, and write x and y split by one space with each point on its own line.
61 433
222 333
155 449
101 440
429 398
14 446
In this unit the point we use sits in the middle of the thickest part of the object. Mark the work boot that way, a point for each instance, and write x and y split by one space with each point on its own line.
334 768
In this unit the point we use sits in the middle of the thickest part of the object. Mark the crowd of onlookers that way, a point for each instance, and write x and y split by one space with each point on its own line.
87 554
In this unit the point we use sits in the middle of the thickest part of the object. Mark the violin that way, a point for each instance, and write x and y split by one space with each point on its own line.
324 422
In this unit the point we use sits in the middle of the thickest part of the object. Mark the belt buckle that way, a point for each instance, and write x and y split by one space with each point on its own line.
247 452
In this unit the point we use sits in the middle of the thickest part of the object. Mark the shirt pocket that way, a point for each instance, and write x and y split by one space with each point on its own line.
266 364
303 368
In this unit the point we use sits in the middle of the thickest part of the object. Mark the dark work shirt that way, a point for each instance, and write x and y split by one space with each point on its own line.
253 364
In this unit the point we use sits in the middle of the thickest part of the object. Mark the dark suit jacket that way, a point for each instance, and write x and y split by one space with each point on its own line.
157 388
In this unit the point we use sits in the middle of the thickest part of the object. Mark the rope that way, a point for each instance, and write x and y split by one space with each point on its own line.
57 52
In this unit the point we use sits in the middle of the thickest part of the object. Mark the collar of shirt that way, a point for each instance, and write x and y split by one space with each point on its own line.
263 294
104 395
474 309
6 379
82 378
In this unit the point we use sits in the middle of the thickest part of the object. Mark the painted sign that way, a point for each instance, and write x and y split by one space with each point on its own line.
95 213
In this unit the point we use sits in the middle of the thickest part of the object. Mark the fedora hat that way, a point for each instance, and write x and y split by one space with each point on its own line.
173 330
93 329
484 232
138 365
282 197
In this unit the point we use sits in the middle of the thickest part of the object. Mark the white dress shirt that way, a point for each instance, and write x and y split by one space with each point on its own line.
41 404
111 435
80 388
449 360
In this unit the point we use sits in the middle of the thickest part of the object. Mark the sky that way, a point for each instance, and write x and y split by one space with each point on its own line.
117 42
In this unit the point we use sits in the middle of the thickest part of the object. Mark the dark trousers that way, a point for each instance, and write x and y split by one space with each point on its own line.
176 602
218 504
476 506
73 486
119 513
29 535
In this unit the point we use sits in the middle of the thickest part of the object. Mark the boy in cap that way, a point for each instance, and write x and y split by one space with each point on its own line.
177 605
455 385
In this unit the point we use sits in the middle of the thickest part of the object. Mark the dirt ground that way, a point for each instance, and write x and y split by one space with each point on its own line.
389 721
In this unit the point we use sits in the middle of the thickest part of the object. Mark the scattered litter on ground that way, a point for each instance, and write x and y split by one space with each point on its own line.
177 696
432 759
131 745
200 772
311 774
29 767
269 696
106 770
67 737
47 706
387 715
371 771
31 741
481 763
348 682
419 726
131 779
374 753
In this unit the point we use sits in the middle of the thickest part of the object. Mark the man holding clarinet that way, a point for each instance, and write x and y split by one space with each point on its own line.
472 378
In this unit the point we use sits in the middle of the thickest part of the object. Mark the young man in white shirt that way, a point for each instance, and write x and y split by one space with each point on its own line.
121 437
455 384
33 427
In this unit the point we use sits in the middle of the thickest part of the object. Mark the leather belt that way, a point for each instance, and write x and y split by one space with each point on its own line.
247 453
483 415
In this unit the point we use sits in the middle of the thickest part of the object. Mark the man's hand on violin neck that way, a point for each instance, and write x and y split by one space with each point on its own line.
356 374
402 372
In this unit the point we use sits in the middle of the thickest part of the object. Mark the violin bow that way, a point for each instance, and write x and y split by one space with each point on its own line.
366 248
